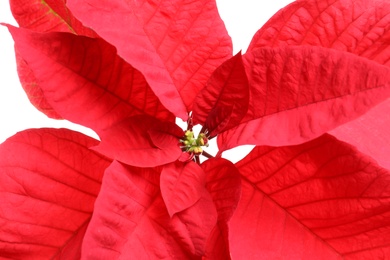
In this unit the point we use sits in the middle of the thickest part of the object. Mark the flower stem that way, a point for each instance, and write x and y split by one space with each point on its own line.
197 160
189 122
207 155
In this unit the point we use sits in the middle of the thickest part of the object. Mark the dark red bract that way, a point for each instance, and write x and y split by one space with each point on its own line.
128 69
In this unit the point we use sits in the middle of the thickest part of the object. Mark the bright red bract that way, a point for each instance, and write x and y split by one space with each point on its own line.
127 69
324 193
47 196
43 16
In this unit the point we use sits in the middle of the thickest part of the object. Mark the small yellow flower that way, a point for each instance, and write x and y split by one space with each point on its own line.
192 144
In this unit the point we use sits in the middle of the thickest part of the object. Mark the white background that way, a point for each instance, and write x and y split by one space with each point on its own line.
242 19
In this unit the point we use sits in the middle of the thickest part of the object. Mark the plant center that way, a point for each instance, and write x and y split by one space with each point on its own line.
194 145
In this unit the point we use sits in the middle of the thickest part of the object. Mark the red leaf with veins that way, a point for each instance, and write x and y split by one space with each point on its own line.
43 16
33 90
224 184
224 101
193 226
359 27
141 141
182 185
49 181
77 73
47 16
178 43
130 220
368 133
322 199
300 92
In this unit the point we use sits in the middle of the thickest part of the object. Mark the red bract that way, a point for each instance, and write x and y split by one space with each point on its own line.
319 198
47 193
47 16
176 44
126 69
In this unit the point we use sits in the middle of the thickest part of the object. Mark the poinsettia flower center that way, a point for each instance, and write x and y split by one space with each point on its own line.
192 144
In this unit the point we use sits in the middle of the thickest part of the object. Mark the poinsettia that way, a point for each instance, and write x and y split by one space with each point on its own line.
128 69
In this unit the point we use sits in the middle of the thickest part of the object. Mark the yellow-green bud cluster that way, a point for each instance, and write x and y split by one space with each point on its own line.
192 144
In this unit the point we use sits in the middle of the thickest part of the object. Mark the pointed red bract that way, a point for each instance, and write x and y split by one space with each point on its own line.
224 101
43 16
47 16
194 225
300 92
369 133
33 90
141 141
175 44
77 73
130 220
182 185
359 27
224 185
319 199
49 181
